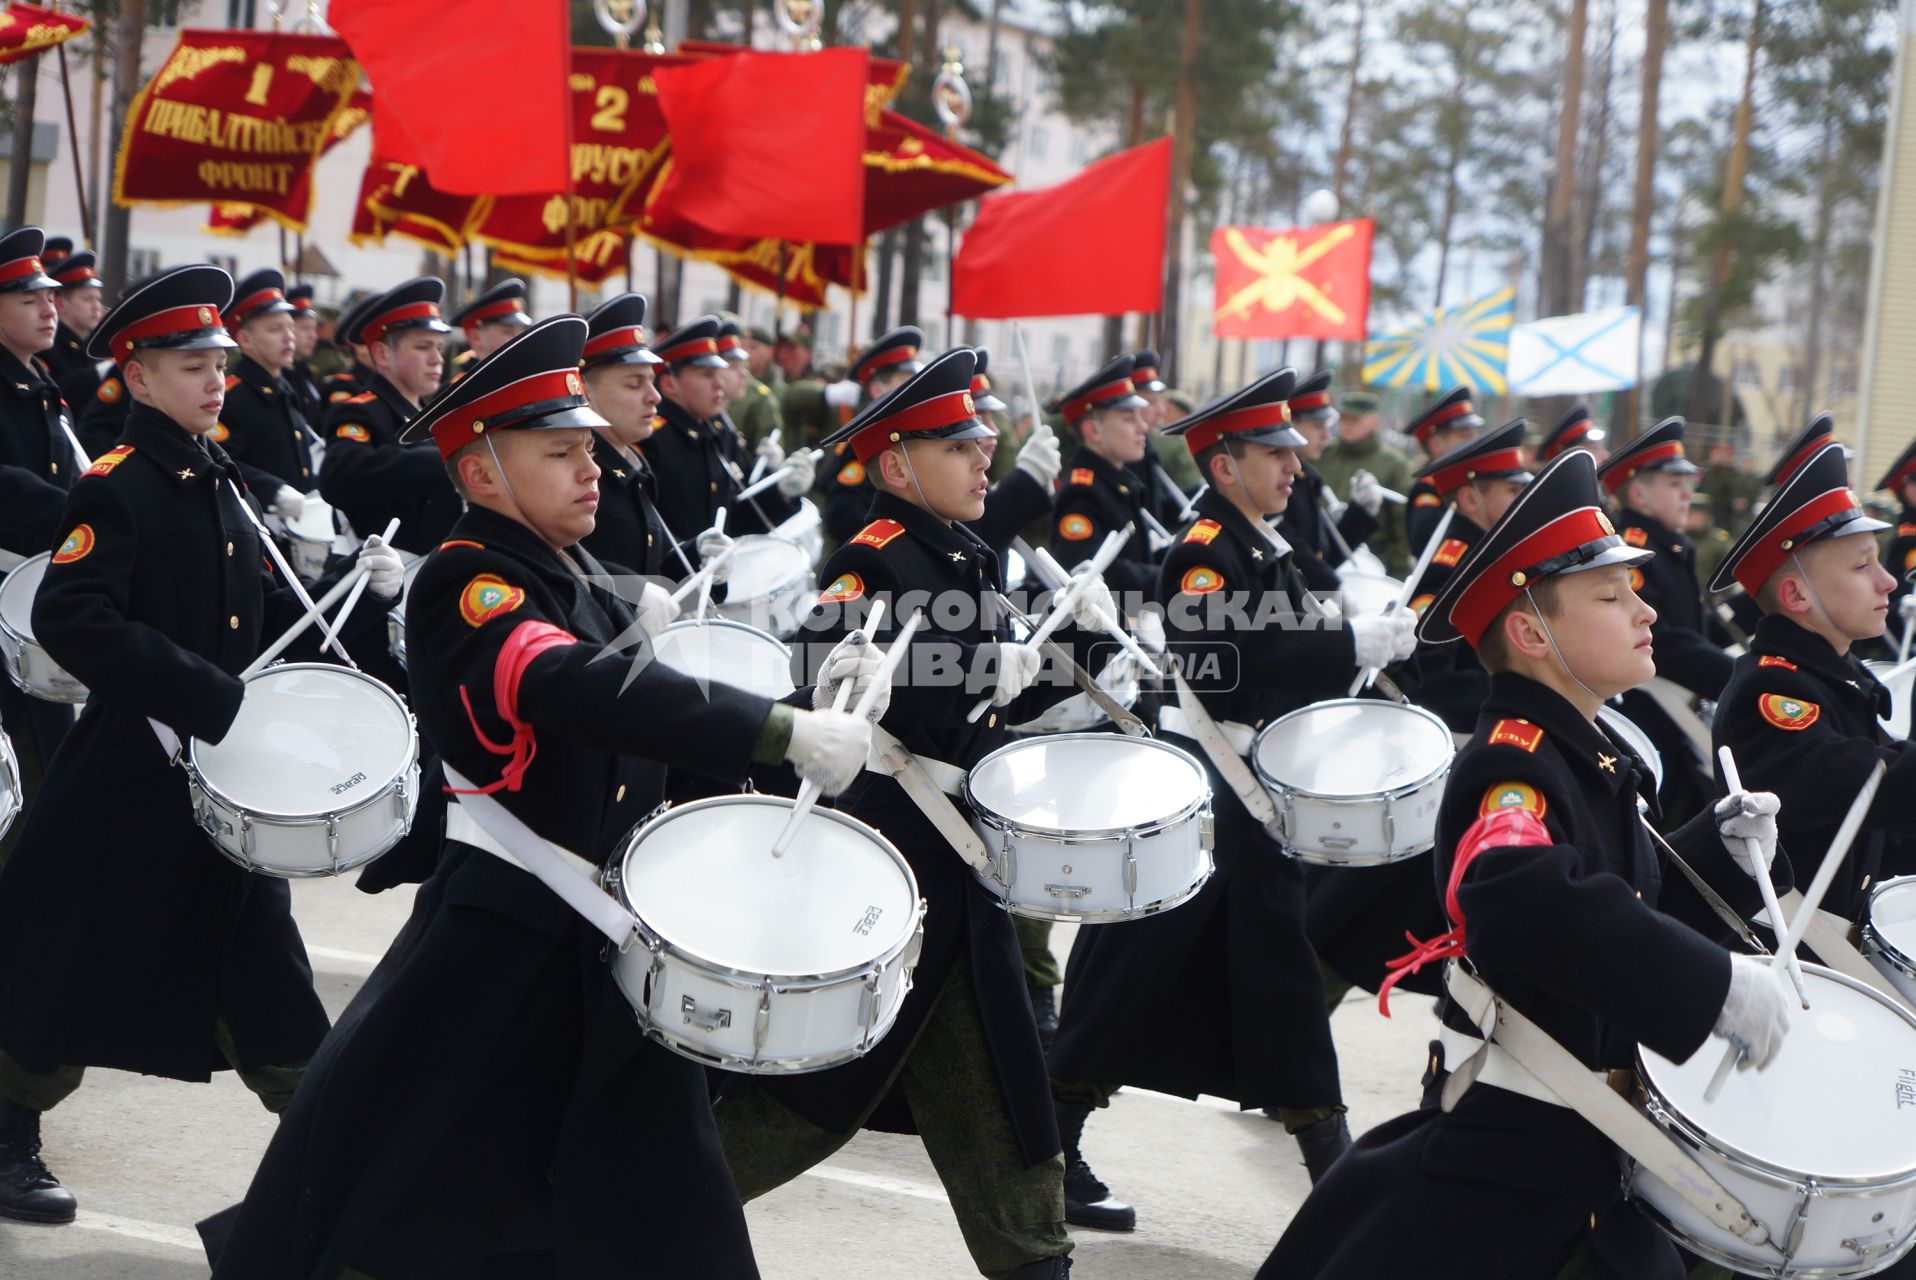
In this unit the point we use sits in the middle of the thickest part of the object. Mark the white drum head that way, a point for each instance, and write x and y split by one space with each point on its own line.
309 739
1363 560
1892 914
1897 725
729 652
1834 1102
703 878
1353 747
762 567
1367 595
1087 783
17 592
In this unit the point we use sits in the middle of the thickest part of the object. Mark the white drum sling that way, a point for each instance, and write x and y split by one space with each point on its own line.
318 774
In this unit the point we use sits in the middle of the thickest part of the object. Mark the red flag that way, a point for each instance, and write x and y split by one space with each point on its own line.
26 29
1091 245
769 145
1293 282
426 58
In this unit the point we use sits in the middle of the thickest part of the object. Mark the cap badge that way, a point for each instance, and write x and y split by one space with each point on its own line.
970 407
206 317
573 384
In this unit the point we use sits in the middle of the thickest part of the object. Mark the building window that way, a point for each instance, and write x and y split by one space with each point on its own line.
1080 147
141 263
1040 142
1786 377
1744 372
1060 349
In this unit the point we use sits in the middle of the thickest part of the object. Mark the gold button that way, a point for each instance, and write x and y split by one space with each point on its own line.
229 548
621 795
233 622
991 721
714 486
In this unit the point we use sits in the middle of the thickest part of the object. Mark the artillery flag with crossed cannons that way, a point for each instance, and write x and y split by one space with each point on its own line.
1576 355
1293 282
1448 347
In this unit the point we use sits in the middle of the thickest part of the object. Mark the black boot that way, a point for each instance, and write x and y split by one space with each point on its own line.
28 1192
1087 1202
1322 1143
1044 1008
1049 1269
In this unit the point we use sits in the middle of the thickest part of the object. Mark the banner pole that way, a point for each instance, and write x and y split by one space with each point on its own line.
73 136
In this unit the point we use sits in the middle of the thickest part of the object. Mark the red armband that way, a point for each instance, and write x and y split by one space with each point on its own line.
1498 829
528 640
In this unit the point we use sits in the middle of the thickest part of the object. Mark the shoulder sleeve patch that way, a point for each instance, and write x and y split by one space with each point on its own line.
461 542
852 473
1200 581
232 380
1082 475
75 546
1075 527
1906 530
112 458
1636 578
878 533
1421 603
1635 537
1909 560
219 434
1516 733
334 397
1203 531
1788 713
353 431
487 596
1512 795
846 586
111 390
364 397
1426 500
1771 660
1450 552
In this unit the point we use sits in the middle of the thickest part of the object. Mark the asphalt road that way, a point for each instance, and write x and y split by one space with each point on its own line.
1214 1187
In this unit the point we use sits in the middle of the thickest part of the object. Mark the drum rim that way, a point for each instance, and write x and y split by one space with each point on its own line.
7 628
1710 1252
197 777
1092 835
716 620
1904 962
1098 915
628 845
1368 797
1658 1101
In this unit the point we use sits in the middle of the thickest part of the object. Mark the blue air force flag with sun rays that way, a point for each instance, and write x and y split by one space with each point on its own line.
1451 345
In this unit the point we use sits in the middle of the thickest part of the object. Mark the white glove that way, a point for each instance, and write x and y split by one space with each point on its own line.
710 545
1383 640
1092 597
1756 1012
1907 606
856 659
843 395
1743 816
288 502
802 468
1017 667
829 748
385 571
657 609
1039 458
1366 492
771 450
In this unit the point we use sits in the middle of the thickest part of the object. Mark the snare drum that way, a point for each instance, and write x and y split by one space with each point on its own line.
769 585
1820 1145
1623 729
309 537
28 665
1078 713
318 774
1357 782
1897 724
396 616
729 652
1888 936
1368 595
1092 826
805 529
760 964
10 798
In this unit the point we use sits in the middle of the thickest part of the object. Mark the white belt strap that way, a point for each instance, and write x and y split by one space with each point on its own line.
1238 736
484 823
1557 1070
930 784
1228 759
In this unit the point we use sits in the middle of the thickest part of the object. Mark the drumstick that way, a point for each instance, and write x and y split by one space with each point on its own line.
705 584
1812 899
292 578
359 589
1111 625
1391 495
316 614
808 791
1368 674
1064 601
753 490
1762 878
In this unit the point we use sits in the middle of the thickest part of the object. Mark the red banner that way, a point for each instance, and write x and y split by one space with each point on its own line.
1293 282
26 29
235 117
236 219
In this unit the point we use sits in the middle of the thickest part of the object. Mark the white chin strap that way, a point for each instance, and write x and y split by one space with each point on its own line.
1555 648
1810 587
504 479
